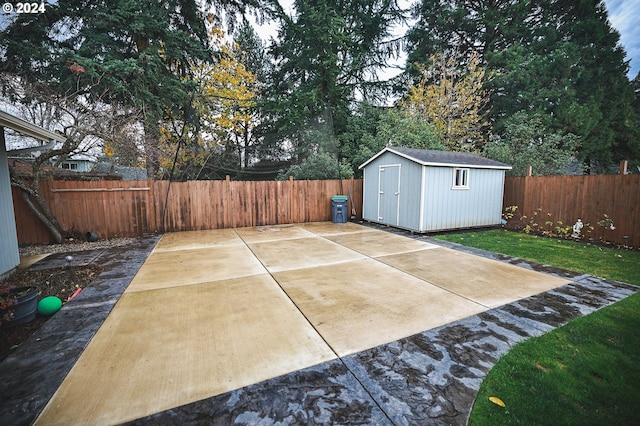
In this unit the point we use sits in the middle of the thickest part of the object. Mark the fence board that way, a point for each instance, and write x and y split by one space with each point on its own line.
568 198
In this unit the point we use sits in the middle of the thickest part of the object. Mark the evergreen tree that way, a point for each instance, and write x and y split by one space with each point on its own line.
361 140
602 113
467 25
371 128
329 52
633 153
558 58
527 142
251 46
138 53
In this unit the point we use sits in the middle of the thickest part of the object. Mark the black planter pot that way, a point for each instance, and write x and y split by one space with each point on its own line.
23 307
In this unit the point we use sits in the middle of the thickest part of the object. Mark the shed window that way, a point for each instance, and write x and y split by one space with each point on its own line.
460 178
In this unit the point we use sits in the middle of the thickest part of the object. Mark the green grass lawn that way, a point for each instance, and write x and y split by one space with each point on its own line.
584 373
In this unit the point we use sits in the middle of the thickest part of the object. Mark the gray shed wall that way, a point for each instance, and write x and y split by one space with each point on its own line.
431 187
410 190
9 256
447 208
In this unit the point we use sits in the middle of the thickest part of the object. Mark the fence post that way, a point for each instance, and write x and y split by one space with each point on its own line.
623 167
351 191
526 199
291 206
228 209
151 206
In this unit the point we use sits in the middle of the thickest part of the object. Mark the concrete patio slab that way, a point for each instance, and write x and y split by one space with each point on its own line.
282 255
329 228
189 240
430 378
488 282
361 304
375 243
246 326
163 348
194 266
272 233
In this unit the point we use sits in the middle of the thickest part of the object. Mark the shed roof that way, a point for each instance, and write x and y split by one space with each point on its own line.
427 157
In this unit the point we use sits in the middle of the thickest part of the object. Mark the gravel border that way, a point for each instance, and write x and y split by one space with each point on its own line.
72 245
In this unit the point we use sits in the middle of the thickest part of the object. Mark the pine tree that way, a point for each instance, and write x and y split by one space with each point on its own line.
133 53
327 54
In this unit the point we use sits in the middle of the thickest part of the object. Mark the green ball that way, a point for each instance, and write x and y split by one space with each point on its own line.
49 305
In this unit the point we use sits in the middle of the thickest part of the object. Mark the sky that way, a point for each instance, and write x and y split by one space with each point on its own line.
624 16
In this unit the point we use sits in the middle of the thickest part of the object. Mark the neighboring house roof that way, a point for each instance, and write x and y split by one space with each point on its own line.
80 158
127 173
131 173
427 157
23 167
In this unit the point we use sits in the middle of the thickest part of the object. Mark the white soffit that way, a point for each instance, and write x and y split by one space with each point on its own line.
29 129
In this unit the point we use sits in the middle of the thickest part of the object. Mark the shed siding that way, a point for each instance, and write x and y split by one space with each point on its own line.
370 194
410 191
371 188
447 208
9 257
409 197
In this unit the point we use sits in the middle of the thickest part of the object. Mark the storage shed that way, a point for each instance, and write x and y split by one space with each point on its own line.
423 190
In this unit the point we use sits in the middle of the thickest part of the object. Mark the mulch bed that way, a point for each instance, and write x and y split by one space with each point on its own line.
59 282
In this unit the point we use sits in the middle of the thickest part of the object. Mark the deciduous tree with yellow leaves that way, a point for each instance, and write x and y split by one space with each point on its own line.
450 96
227 100
225 108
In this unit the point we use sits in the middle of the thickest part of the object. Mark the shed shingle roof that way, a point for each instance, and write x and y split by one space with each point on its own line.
442 158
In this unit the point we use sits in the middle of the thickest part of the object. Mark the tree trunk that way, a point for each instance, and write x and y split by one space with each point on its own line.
151 153
40 208
150 143
45 215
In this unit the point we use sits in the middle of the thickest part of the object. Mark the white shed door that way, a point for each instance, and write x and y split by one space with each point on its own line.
389 194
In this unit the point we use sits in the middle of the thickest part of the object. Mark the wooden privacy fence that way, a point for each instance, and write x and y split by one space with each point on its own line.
132 208
569 198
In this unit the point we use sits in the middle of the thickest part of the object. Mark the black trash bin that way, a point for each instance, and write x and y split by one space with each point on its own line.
339 208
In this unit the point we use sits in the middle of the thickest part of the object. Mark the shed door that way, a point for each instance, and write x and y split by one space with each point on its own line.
389 194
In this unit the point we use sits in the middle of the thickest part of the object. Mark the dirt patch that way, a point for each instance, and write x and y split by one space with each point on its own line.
60 282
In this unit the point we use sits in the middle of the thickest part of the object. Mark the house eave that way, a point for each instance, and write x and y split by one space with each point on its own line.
29 129
44 147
